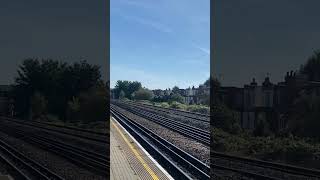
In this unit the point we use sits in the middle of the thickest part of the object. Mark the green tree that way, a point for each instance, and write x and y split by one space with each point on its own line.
79 77
175 97
303 120
38 105
176 90
59 82
35 75
122 95
312 67
207 82
73 109
93 104
127 87
303 117
143 94
226 119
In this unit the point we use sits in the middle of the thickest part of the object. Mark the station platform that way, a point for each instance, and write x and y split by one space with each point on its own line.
128 159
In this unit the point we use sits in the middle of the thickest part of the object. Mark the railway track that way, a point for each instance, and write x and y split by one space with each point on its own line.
279 170
191 167
244 168
22 167
76 132
192 115
184 129
95 162
177 162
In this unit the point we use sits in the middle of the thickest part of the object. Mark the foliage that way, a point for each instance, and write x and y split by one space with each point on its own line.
204 99
93 104
122 95
73 109
175 97
34 75
312 67
226 119
198 108
143 94
207 83
285 149
165 105
38 104
176 90
127 87
58 82
304 119
177 105
262 128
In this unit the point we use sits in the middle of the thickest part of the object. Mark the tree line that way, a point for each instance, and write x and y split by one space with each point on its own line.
68 91
133 90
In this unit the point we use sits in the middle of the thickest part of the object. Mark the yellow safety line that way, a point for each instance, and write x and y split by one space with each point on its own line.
136 153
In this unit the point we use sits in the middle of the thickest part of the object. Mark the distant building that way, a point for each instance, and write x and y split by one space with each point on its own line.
257 103
268 101
190 95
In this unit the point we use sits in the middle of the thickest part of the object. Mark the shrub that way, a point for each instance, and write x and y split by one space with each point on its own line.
38 105
177 105
198 108
143 94
93 105
164 105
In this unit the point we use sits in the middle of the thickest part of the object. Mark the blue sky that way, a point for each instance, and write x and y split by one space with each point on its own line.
160 43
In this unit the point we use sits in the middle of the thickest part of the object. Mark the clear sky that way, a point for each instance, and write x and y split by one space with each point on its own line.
64 30
160 43
256 37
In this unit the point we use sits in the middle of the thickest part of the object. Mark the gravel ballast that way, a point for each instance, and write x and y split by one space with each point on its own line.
55 163
198 150
183 119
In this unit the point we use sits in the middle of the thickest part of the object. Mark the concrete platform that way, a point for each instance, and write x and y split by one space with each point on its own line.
6 177
128 158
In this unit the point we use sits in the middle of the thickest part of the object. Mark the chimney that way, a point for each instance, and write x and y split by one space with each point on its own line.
253 83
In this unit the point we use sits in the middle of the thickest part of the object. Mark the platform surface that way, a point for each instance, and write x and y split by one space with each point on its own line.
129 160
6 177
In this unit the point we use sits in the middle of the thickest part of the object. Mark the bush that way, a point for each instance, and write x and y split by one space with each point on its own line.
93 105
199 109
143 94
284 149
38 105
164 105
226 119
177 105
73 109
175 98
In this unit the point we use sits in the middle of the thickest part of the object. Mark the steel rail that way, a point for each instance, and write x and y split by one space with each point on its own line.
289 169
87 159
23 167
184 129
102 137
188 114
180 164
